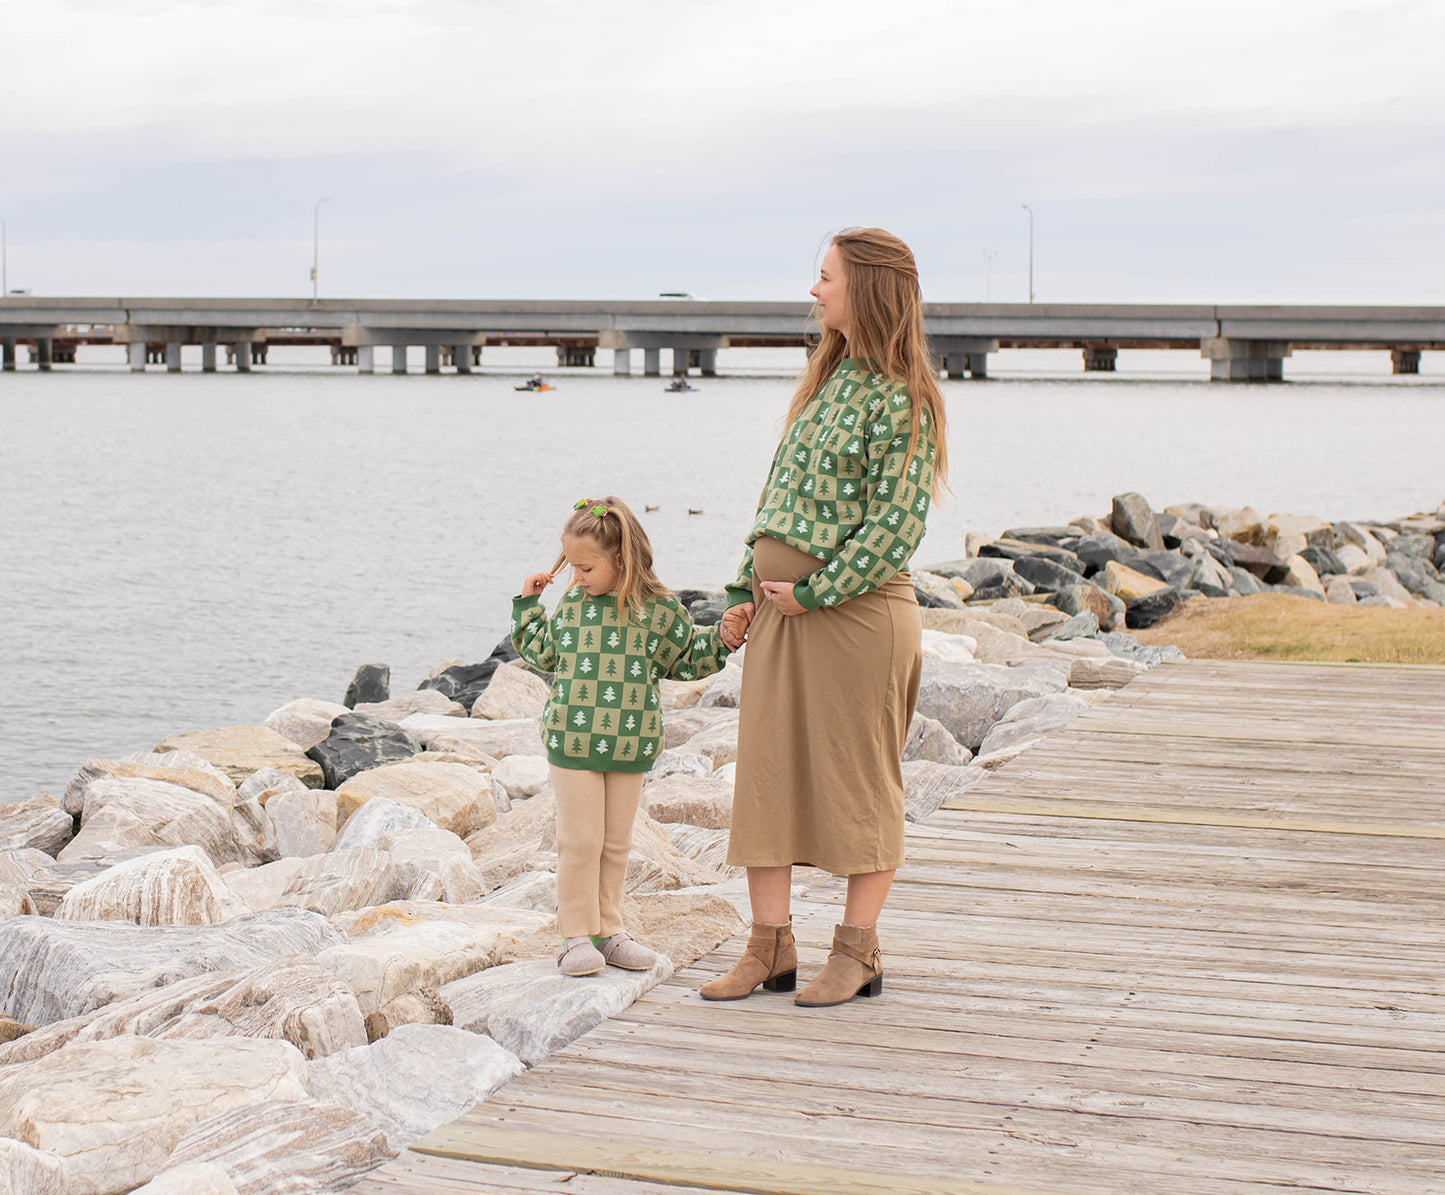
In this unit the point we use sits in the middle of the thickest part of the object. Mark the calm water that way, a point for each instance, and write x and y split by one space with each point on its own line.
194 551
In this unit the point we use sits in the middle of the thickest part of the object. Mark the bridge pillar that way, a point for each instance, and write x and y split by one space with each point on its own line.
1404 360
1100 358
243 356
681 362
43 353
173 356
965 354
398 358
462 357
622 362
651 363
1232 360
208 356
365 358
974 365
137 352
707 362
433 358
7 354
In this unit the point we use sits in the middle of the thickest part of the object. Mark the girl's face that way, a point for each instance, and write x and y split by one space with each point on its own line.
594 572
831 292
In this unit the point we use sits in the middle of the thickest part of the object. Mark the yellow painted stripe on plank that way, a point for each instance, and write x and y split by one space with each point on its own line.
682 1168
1088 811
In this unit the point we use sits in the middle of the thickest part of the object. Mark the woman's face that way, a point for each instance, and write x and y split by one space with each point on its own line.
831 292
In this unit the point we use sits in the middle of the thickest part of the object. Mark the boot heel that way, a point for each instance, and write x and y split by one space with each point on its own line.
785 981
873 987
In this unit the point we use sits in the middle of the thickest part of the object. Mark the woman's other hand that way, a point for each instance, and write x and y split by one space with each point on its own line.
734 625
780 593
534 584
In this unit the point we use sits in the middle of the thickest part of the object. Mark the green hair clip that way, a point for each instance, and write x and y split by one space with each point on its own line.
598 508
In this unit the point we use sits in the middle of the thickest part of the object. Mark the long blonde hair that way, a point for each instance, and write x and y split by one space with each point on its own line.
616 532
885 308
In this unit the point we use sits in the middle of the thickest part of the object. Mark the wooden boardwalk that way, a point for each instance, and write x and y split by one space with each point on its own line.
1194 942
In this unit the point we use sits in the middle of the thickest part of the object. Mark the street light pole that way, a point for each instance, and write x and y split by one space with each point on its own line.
316 244
1031 249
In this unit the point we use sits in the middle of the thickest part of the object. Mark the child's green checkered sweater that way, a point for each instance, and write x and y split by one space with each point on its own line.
845 488
603 714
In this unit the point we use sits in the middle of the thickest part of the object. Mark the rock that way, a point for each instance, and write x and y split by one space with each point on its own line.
724 690
1027 721
655 865
1095 551
240 750
305 721
1357 537
1131 519
1420 546
506 849
1209 574
46 885
705 609
395 957
1048 536
27 1171
121 813
1045 575
1110 673
1170 567
420 1007
1243 525
510 925
419 701
290 998
969 698
154 1091
699 801
941 645
1145 611
1018 552
358 743
376 819
1129 648
1289 535
1080 626
1190 512
934 590
1388 583
992 644
19 864
372 683
496 737
1324 561
1338 592
175 887
37 823
1082 598
1416 575
1128 585
1353 559
1299 575
416 1078
286 1145
708 847
51 970
346 878
200 1178
681 763
682 694
929 741
464 683
443 854
513 692
718 740
1040 620
1364 588
255 832
523 776
455 797
304 822
263 783
532 1010
175 767
1245 582
926 785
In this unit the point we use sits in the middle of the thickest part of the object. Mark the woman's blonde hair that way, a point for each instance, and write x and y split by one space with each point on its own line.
614 529
885 307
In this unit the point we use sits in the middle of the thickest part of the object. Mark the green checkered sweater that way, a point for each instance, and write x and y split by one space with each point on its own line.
844 487
603 714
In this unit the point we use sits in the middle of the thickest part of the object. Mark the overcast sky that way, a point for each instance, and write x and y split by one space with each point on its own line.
1268 150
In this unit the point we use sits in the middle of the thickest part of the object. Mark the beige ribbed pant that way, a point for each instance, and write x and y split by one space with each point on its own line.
594 838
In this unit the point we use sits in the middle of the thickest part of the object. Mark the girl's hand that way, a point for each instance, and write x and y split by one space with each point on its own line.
780 593
734 625
534 584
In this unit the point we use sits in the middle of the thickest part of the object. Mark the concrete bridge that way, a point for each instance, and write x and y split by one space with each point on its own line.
1242 343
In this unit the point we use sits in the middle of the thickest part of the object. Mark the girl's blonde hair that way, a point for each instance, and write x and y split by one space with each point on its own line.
885 308
617 533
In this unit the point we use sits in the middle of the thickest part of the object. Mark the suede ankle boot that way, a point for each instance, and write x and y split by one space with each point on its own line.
854 968
771 959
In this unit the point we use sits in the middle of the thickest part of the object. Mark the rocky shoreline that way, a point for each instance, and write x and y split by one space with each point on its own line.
265 958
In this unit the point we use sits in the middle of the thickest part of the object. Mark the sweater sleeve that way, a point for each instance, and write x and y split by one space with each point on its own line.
740 588
899 485
691 652
532 633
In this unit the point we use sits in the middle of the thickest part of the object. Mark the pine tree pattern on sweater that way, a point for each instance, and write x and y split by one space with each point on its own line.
604 711
845 488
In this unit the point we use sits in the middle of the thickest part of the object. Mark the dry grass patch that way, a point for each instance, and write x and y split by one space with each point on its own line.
1276 626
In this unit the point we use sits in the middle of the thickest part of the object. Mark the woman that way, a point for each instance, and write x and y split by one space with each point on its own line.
832 623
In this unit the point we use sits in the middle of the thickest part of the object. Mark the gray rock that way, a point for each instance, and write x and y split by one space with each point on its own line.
981 570
1172 568
1339 592
1004 585
1415 574
1145 611
1007 549
532 1010
372 683
1420 546
724 691
926 785
37 822
1132 519
935 590
1080 626
414 1079
1364 587
1323 561
1095 551
1086 597
1127 647
1051 537
1245 582
930 742
1045 575
358 743
1263 563
50 970
969 698
676 761
1029 720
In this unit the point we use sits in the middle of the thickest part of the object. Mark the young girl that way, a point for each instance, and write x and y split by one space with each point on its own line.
614 634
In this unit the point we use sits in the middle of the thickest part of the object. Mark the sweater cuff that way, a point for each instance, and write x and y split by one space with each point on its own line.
803 595
524 600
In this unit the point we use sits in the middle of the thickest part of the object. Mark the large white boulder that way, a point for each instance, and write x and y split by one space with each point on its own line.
28 1171
513 692
37 823
496 738
698 800
121 813
304 722
335 882
523 776
240 750
395 958
444 855
304 821
174 767
174 887
454 796
419 701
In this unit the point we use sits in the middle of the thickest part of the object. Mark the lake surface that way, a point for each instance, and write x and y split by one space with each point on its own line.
183 552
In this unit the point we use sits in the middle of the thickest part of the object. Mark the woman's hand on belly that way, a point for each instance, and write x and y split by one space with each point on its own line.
780 593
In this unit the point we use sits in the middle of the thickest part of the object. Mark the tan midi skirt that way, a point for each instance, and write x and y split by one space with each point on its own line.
827 697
